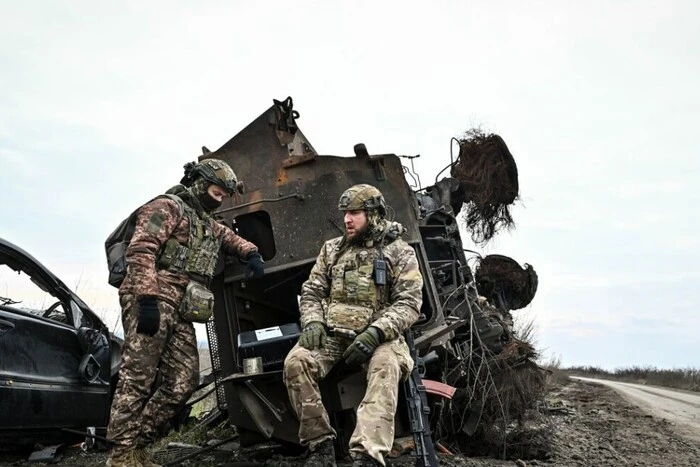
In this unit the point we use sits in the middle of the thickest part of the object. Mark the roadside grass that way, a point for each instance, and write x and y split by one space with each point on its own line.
556 376
677 378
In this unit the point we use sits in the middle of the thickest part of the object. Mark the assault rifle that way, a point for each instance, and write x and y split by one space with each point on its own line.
418 409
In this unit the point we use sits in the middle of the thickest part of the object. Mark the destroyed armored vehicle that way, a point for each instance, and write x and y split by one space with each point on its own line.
289 208
58 360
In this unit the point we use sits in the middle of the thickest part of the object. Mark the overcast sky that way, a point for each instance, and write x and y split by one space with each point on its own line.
101 103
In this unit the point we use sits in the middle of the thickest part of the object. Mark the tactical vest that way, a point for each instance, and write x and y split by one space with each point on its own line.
198 257
354 297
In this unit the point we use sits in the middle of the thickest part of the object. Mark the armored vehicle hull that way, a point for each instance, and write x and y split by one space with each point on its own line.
289 209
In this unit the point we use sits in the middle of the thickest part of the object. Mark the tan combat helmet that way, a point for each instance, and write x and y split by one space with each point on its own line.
217 172
362 197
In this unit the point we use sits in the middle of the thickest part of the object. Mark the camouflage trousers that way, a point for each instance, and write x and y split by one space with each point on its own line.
138 412
374 431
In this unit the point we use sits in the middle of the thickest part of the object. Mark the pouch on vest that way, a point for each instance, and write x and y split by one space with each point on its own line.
354 317
197 305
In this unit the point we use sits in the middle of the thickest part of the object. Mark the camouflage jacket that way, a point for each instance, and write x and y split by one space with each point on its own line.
403 297
155 224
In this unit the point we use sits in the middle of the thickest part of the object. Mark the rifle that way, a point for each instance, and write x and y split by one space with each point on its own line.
418 409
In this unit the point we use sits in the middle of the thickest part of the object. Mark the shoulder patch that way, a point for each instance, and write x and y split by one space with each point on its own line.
155 223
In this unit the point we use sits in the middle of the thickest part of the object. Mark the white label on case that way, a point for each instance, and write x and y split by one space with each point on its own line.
268 333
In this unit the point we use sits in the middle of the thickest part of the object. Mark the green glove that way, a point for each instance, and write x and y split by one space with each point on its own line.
313 335
363 346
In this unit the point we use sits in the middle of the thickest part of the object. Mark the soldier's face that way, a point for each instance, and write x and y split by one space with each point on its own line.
217 192
355 222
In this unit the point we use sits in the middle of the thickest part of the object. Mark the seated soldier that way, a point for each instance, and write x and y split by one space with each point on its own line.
366 286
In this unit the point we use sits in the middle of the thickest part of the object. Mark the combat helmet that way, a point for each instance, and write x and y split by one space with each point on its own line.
213 171
362 197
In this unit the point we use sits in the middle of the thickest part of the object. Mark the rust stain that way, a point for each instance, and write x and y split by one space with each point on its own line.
282 177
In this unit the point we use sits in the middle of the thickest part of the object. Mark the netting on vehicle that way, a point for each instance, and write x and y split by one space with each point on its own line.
488 176
499 274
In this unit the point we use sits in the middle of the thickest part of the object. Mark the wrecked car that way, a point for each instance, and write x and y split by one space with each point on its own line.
58 361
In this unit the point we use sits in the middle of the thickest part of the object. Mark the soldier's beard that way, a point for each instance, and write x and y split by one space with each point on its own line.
359 237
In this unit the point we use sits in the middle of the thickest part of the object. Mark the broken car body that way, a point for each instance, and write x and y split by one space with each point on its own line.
58 361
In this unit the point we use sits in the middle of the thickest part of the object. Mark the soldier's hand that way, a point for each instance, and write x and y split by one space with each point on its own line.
313 336
254 269
363 346
148 317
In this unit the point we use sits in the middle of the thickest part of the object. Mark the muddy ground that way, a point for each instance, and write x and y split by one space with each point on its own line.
590 425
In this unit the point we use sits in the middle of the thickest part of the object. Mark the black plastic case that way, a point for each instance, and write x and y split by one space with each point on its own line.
272 344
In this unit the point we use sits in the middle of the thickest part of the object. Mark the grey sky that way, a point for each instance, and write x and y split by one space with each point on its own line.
101 104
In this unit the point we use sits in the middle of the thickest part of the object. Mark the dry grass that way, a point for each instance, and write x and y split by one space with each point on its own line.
504 392
678 378
525 329
556 376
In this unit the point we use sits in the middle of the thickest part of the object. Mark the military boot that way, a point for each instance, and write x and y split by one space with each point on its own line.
366 461
128 459
145 458
323 455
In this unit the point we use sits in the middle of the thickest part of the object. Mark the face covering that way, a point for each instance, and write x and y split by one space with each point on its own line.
208 203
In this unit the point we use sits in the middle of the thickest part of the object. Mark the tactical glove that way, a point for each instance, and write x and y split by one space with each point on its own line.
363 346
254 269
313 336
149 316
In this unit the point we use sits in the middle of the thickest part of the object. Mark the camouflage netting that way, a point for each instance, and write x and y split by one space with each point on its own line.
488 175
496 273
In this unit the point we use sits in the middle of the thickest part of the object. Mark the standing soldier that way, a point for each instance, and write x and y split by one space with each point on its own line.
171 260
365 284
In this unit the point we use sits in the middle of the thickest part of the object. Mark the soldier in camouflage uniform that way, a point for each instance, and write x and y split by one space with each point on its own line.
342 298
173 250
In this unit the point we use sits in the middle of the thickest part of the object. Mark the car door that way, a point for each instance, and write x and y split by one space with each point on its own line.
47 378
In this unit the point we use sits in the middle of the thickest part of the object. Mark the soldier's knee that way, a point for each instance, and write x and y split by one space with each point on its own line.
298 356
299 360
384 362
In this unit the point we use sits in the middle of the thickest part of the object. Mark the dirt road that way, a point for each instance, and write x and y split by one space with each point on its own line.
589 423
680 408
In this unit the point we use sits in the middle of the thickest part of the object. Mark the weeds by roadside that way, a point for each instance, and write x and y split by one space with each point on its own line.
556 376
678 378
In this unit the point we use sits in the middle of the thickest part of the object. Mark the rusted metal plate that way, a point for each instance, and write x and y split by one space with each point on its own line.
298 160
294 230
